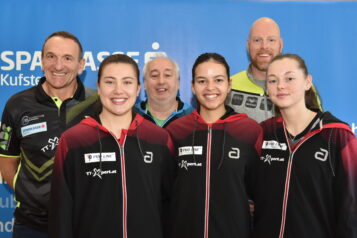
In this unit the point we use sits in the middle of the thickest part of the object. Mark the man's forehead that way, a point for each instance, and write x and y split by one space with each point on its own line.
157 70
161 64
61 43
264 35
265 31
265 27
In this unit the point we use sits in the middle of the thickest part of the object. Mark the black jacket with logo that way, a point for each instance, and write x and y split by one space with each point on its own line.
309 189
108 187
30 129
210 197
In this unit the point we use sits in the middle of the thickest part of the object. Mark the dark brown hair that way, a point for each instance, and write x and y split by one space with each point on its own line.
209 57
118 58
311 95
66 35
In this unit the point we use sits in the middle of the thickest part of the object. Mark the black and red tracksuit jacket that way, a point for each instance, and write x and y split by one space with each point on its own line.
309 189
108 187
214 164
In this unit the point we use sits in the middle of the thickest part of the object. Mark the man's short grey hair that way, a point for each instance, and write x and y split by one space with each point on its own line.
162 56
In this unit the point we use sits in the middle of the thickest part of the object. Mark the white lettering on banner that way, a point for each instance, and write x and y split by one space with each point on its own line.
7 202
19 80
17 60
89 61
6 226
22 57
353 127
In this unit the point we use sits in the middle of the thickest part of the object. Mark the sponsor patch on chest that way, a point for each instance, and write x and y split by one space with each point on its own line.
186 165
95 157
189 150
99 173
269 159
26 119
33 129
274 145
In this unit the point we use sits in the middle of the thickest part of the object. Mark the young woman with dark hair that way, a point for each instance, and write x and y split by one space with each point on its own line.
216 149
113 172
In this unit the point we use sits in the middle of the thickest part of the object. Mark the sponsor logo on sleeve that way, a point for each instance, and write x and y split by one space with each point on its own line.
274 145
95 157
189 150
5 136
33 129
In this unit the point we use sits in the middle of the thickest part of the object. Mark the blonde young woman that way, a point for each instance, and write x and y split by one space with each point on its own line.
307 175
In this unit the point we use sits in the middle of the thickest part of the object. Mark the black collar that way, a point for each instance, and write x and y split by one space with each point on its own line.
42 96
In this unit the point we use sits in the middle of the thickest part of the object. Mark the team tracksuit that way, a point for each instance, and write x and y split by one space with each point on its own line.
307 187
108 187
214 162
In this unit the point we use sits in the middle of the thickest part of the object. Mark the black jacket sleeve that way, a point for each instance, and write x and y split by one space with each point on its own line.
346 179
61 200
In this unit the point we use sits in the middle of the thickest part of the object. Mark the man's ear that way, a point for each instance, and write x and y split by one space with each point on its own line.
81 66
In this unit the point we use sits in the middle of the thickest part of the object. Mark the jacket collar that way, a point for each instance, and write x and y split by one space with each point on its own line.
42 96
95 121
228 116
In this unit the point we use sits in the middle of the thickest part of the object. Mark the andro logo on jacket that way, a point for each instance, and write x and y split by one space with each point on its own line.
321 155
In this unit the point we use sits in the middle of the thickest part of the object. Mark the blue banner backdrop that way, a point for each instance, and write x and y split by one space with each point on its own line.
323 33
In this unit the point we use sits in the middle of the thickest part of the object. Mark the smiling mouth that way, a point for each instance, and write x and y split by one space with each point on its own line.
264 55
119 100
161 90
211 96
58 74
